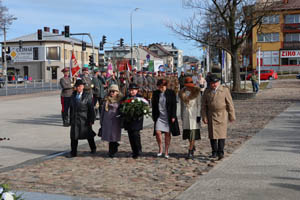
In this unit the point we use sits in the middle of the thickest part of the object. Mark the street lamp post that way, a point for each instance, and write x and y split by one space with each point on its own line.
131 34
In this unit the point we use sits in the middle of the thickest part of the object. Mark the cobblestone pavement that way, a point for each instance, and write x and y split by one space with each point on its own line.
149 177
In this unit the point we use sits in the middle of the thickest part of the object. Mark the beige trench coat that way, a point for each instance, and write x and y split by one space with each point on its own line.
217 108
190 111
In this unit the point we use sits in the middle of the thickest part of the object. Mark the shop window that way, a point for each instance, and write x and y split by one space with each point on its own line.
284 61
293 62
53 53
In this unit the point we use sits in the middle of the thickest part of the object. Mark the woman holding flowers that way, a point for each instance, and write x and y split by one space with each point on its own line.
164 115
110 121
190 113
133 121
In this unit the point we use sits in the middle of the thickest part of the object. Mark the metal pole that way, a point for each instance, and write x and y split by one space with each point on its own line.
258 65
5 61
131 35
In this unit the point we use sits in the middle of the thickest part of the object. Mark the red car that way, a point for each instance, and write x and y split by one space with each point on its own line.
266 74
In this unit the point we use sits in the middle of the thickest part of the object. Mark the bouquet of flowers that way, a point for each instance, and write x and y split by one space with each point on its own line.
134 109
6 194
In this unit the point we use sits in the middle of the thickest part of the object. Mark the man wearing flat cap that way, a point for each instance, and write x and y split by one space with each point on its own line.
216 109
82 117
66 93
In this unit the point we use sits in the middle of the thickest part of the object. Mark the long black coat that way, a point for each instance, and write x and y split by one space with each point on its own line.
133 125
82 116
171 106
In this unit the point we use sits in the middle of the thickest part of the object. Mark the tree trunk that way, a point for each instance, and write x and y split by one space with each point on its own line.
235 72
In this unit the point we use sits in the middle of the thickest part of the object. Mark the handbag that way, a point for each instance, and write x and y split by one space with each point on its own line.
174 128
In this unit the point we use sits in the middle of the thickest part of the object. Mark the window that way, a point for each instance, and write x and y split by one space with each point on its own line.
272 19
292 37
292 19
268 37
269 57
35 53
53 53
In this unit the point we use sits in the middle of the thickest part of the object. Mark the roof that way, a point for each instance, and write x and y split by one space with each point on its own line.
161 48
290 5
151 53
47 36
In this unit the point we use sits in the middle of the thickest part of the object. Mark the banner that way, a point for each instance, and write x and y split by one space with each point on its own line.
74 68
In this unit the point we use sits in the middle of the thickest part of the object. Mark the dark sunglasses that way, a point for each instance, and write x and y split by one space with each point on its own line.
113 91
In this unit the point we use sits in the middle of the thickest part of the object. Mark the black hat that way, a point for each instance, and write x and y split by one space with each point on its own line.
85 69
213 78
133 86
79 82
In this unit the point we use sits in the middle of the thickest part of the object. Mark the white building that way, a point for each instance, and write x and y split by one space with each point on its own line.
44 59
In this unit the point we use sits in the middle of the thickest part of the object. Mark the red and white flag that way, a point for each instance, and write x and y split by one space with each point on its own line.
74 67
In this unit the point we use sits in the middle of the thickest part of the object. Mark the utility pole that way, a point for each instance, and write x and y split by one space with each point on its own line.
5 61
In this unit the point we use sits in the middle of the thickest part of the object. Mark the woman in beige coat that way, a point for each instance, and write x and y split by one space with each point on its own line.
216 109
190 113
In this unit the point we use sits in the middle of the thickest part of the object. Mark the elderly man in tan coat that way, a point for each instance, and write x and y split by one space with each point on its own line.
216 109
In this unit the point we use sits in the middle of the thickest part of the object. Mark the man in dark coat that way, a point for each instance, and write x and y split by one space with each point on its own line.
66 93
82 118
134 126
97 91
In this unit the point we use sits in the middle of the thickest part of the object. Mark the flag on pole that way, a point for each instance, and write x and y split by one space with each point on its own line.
74 67
109 70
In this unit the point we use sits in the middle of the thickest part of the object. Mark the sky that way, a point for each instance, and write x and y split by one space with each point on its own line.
103 17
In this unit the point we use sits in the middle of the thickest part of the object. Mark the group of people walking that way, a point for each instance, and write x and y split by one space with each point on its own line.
212 106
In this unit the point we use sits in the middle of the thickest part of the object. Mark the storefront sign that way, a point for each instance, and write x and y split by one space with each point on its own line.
289 53
21 54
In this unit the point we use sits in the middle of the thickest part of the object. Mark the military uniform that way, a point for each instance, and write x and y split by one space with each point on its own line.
66 93
124 84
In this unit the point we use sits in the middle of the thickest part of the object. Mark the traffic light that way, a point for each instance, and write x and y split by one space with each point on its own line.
121 42
8 50
40 34
91 60
20 44
101 46
67 31
83 46
103 39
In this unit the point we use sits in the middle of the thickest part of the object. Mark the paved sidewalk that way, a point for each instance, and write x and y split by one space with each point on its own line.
265 167
43 196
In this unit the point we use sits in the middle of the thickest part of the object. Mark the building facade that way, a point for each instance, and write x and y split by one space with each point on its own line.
44 59
278 38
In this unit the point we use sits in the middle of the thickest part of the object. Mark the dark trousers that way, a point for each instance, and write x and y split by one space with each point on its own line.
65 105
135 142
217 146
74 145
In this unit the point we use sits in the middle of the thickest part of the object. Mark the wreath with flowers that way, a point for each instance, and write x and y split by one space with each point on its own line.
6 194
134 109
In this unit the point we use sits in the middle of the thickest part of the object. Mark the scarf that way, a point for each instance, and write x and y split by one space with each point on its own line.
186 98
111 100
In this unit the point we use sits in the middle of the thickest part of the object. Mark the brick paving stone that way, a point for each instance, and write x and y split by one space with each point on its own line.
149 177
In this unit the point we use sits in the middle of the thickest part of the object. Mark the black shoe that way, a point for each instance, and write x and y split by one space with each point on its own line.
213 155
71 155
93 151
190 155
220 157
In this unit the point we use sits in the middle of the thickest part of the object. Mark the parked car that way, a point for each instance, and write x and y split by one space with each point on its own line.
298 76
20 79
266 74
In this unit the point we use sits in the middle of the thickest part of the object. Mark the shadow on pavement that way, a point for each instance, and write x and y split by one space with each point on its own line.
33 151
288 186
49 120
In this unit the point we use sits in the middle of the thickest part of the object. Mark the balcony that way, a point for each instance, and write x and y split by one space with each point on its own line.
290 28
291 45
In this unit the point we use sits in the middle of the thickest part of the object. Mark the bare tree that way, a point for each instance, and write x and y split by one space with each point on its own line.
223 24
5 18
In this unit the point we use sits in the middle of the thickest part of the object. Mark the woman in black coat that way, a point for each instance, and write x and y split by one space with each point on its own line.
164 108
82 117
